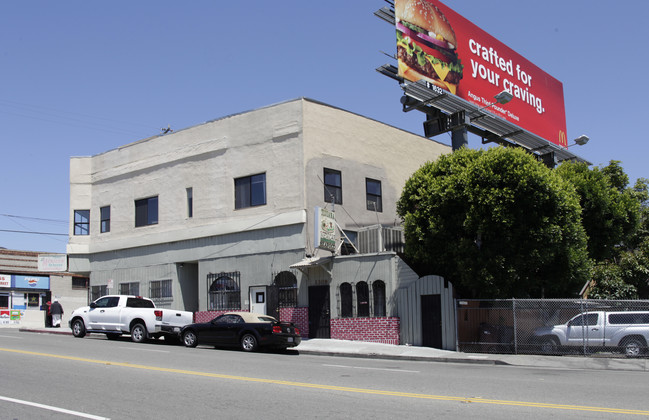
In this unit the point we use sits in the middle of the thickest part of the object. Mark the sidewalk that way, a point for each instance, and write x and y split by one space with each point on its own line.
343 348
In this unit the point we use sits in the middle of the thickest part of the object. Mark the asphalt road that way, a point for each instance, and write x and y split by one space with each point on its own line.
58 376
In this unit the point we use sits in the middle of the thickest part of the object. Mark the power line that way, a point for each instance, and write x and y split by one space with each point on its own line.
33 233
39 219
74 119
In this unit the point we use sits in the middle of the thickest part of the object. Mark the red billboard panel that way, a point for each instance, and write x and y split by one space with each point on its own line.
438 45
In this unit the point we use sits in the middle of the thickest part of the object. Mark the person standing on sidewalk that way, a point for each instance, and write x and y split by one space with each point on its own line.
56 310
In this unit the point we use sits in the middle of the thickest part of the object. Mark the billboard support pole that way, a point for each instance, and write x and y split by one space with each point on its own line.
459 138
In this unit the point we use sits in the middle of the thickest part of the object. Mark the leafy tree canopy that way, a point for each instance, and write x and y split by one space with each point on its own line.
497 223
610 210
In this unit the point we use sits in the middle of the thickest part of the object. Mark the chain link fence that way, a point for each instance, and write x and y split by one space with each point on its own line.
553 326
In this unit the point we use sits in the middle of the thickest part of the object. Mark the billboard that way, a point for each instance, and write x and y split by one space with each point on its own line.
438 45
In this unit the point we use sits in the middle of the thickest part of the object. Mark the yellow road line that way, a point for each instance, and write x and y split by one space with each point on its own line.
342 388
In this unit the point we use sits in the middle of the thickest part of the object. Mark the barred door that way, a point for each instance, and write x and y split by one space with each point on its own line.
319 315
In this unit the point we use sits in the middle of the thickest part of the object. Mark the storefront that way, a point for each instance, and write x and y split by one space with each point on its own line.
21 293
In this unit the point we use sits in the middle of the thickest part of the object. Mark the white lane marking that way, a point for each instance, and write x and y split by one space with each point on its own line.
133 348
373 368
52 408
11 336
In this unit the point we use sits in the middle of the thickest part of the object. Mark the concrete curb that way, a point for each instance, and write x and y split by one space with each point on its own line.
401 357
61 331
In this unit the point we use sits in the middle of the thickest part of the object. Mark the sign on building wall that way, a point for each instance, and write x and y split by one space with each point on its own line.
52 262
31 282
325 229
5 280
438 45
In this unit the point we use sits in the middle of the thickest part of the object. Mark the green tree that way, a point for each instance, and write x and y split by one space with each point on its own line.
616 219
610 210
609 283
497 223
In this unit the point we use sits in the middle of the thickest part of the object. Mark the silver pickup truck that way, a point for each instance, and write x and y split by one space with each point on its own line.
115 315
625 331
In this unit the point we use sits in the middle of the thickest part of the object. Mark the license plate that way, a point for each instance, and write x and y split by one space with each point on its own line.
290 339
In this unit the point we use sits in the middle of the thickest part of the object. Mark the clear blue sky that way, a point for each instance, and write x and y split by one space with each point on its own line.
83 77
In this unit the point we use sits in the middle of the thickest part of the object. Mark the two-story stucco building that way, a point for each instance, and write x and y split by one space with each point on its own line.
220 216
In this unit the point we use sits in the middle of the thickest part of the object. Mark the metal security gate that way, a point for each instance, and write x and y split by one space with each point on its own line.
319 312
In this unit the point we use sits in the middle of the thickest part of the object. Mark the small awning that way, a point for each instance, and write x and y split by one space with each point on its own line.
325 263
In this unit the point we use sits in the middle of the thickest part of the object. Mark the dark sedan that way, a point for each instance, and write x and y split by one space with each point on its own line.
247 330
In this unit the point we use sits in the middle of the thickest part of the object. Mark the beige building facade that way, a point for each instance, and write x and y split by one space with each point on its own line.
222 215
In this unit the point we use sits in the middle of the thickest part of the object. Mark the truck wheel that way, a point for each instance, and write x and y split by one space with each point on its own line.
190 339
633 347
78 328
249 342
549 345
138 333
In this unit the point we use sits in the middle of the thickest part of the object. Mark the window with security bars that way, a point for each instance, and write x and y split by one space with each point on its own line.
346 301
378 292
224 291
98 291
129 288
160 290
79 283
286 283
362 299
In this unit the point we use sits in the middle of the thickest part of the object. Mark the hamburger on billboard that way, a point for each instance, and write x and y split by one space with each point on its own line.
436 44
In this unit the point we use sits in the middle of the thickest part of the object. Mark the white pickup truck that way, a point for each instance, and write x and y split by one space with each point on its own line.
624 331
115 315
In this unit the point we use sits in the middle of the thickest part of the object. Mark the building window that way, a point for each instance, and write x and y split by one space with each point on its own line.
346 306
104 215
160 290
79 283
286 283
82 222
378 291
224 292
250 191
98 291
129 288
333 186
373 191
33 300
349 242
146 211
362 299
190 202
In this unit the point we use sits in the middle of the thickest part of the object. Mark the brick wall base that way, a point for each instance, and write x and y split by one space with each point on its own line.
207 316
298 316
373 330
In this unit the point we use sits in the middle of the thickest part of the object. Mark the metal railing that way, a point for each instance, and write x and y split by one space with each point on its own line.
553 326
